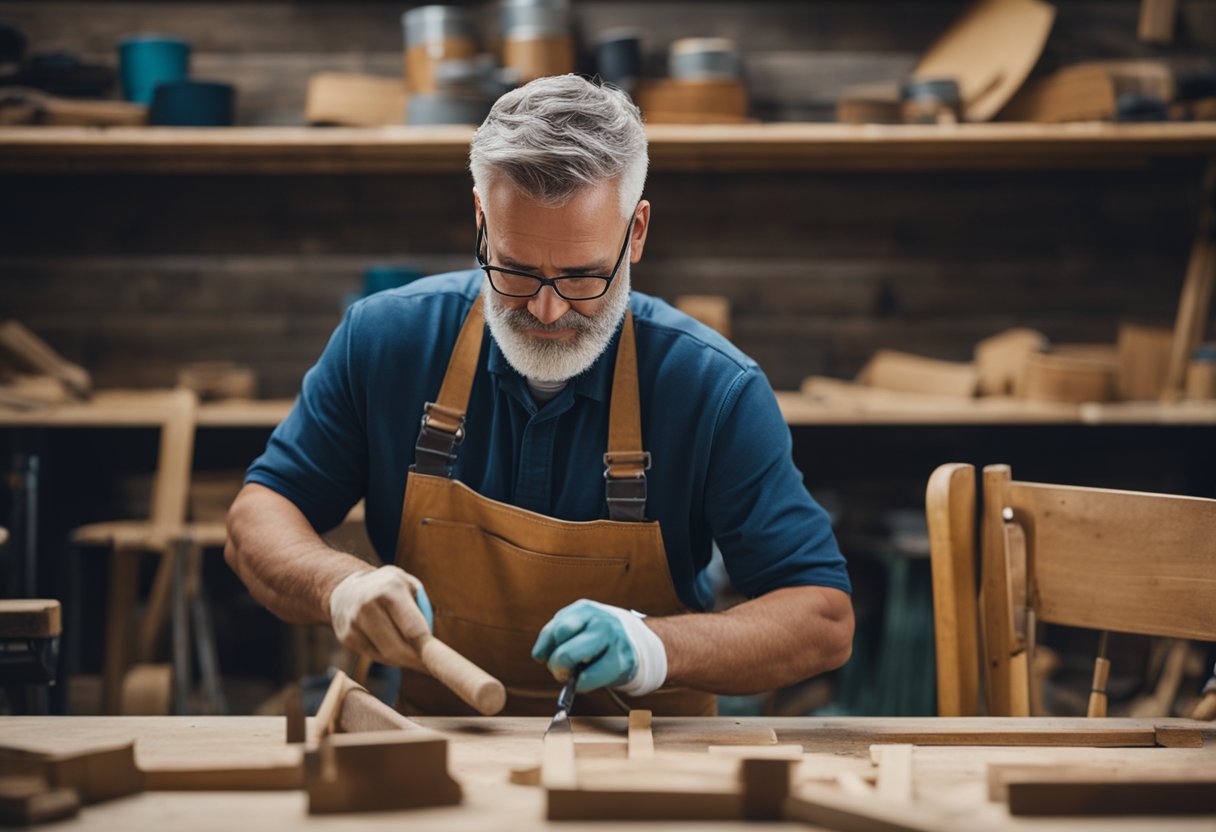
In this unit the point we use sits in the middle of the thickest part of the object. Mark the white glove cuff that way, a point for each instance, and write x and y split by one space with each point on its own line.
651 654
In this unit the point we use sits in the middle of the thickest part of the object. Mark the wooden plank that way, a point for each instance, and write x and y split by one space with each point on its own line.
1097 737
558 768
641 741
780 147
1101 797
895 772
30 617
1000 775
379 771
25 801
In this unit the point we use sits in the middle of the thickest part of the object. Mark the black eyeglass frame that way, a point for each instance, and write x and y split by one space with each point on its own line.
555 282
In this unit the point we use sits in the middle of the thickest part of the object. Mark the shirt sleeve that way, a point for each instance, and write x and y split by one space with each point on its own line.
770 530
317 457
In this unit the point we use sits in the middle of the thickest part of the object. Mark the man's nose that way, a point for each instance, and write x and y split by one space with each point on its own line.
547 305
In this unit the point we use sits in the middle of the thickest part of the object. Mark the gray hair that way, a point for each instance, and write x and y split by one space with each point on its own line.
556 135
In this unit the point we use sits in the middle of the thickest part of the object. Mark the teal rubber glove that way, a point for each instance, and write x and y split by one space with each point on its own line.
617 649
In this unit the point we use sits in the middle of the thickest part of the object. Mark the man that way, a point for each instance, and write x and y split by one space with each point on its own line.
573 468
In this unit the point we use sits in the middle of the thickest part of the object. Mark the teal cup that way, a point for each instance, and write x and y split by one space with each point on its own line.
146 61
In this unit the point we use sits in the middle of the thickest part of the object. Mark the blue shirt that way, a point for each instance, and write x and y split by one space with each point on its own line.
721 471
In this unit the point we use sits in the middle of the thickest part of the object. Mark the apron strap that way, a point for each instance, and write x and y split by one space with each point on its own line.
626 464
443 420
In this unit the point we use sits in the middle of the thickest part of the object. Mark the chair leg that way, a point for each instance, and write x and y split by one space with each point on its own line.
124 572
181 629
153 624
204 638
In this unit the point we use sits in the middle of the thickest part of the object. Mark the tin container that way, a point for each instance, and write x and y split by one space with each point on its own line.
536 39
434 34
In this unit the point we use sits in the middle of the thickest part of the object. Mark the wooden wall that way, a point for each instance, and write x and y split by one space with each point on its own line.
133 274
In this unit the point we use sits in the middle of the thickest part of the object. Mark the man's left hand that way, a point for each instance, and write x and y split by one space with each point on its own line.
617 649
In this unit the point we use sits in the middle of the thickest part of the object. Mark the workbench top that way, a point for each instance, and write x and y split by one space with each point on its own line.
484 750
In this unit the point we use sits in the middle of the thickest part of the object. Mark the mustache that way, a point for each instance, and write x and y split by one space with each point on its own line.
522 319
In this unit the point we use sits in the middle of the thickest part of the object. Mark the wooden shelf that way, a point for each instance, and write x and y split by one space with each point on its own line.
748 147
801 409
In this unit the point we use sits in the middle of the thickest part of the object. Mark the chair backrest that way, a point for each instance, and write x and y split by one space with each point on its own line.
1119 561
172 487
950 510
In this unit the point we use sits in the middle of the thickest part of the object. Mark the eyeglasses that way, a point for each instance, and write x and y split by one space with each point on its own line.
517 284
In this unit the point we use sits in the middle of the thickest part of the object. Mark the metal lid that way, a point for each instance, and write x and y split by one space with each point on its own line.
427 24
703 59
535 18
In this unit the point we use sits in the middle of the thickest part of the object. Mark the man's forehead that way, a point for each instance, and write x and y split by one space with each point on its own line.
510 207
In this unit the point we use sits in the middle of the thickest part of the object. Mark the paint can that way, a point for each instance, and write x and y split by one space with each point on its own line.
536 39
434 34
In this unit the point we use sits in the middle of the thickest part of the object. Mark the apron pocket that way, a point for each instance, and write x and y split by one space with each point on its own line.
481 577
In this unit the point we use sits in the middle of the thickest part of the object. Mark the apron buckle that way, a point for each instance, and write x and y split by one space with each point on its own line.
435 451
625 484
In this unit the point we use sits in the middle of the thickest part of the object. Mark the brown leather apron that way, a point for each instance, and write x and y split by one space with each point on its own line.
496 573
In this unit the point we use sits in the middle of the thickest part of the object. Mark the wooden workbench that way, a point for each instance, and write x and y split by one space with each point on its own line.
484 750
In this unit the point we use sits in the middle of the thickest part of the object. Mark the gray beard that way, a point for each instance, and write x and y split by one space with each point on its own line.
550 360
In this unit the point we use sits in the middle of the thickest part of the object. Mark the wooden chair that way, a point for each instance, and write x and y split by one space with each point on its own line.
165 533
1113 561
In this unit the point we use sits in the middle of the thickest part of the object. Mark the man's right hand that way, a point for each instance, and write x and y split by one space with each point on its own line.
379 612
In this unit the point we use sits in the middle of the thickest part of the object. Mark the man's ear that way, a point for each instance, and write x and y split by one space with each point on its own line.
477 210
641 228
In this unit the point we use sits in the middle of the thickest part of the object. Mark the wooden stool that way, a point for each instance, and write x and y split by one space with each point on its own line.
176 588
29 649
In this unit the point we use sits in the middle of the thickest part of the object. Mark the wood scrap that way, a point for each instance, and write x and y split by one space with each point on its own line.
25 801
641 741
379 771
558 768
904 372
95 774
1080 93
355 100
1000 775
228 777
1173 736
711 310
1071 375
21 342
1157 20
989 51
1000 359
1096 737
895 772
1144 361
293 709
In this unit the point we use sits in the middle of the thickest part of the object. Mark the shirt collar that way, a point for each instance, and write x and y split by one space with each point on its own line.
594 383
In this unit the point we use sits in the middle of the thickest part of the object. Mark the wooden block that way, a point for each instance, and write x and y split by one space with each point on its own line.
361 711
293 709
711 310
558 766
892 370
29 617
1069 795
326 720
355 100
766 786
670 101
1000 775
895 772
1144 361
1170 736
25 801
95 774
1001 358
1157 20
147 690
833 809
227 778
1069 375
1085 93
581 804
641 741
379 771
